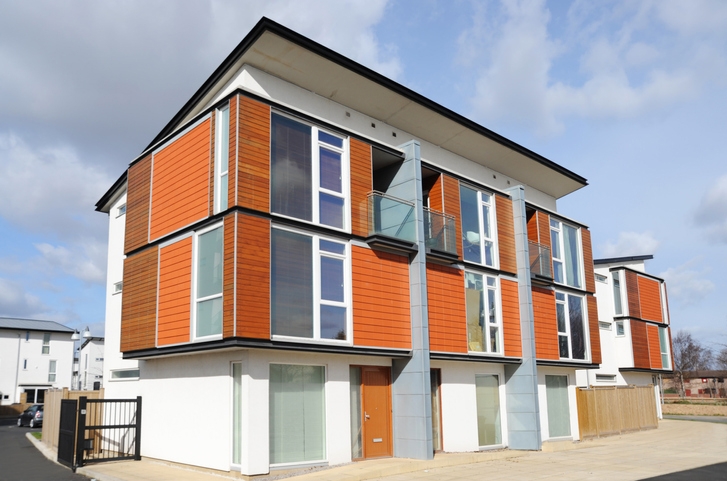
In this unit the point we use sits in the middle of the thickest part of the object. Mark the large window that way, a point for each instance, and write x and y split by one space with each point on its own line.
478 227
297 414
310 294
309 173
664 348
617 309
571 326
565 246
489 426
208 283
46 343
222 157
483 319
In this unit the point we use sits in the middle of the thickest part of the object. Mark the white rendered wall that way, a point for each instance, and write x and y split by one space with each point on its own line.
91 364
572 404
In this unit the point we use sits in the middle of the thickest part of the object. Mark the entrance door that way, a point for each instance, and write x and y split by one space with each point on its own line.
376 394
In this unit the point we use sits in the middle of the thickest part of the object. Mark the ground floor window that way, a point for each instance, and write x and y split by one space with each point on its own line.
489 430
556 394
297 414
34 396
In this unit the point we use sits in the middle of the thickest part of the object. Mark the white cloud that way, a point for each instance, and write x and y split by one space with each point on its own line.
711 214
16 302
630 244
84 262
687 285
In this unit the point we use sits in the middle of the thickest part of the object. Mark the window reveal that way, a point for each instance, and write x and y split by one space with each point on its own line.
478 238
565 248
571 333
208 283
483 319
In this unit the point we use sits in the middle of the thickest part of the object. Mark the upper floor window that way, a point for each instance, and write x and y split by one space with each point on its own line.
222 157
121 210
571 326
664 348
617 309
52 371
565 246
207 289
483 320
478 226
309 173
310 293
46 343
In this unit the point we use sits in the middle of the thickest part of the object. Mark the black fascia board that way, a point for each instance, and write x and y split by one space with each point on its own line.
265 24
645 274
566 363
450 356
653 371
110 193
611 260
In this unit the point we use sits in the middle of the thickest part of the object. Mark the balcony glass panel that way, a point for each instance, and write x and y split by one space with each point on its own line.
439 232
539 260
391 217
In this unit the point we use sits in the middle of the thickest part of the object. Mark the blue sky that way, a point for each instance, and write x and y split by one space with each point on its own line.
630 94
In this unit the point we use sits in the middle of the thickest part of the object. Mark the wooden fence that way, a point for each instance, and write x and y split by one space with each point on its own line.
52 411
605 411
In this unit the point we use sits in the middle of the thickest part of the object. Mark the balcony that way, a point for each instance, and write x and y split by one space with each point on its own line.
539 261
439 232
391 219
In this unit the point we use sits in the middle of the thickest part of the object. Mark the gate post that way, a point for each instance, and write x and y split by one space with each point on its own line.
137 444
81 432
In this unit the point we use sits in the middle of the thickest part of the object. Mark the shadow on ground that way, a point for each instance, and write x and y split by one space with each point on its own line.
712 472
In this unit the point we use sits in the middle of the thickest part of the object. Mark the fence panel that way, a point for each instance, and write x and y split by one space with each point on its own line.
52 411
605 411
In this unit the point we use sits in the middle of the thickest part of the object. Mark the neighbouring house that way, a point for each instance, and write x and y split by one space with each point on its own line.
34 356
633 315
312 264
91 364
701 384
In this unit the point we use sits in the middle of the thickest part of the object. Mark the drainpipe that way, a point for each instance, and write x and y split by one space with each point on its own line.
17 371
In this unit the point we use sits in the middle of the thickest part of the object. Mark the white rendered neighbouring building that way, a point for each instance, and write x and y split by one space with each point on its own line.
341 269
91 361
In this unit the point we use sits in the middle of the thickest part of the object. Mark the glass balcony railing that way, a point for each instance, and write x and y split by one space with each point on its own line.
439 231
539 260
391 217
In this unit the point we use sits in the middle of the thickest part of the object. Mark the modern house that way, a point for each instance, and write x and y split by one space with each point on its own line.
34 356
314 264
633 316
91 357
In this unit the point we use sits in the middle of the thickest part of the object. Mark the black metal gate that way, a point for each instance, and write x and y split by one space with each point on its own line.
67 432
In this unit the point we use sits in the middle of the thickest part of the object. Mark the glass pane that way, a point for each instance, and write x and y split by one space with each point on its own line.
475 312
333 247
556 392
333 322
331 210
236 411
297 414
494 339
290 166
331 279
492 306
291 287
486 221
489 253
558 271
577 334
223 193
617 294
330 170
619 328
209 317
572 262
330 139
356 425
555 244
560 315
563 346
470 225
209 263
488 410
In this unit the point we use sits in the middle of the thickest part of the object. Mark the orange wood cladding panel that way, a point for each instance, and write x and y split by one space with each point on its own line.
137 205
595 332
588 260
447 309
533 233
175 290
511 318
139 301
231 174
640 344
650 299
228 277
180 182
652 333
505 234
211 173
253 277
451 206
632 294
436 195
381 313
361 185
253 164
546 327
544 229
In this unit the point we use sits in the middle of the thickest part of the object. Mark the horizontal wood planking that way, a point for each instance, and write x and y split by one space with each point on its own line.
511 318
595 332
652 333
632 294
232 155
137 205
180 184
381 309
452 207
211 180
546 327
588 260
447 309
139 301
640 344
650 299
544 229
505 234
253 187
175 293
228 277
533 234
253 277
361 185
436 195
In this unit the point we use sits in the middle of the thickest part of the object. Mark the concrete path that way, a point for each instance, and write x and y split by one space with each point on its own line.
705 419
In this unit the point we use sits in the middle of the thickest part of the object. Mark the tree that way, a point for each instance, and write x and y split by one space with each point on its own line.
721 359
689 355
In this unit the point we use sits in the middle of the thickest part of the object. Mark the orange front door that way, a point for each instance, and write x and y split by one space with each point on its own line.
376 387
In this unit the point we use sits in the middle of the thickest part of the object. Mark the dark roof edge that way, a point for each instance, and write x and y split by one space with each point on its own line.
265 24
611 260
111 192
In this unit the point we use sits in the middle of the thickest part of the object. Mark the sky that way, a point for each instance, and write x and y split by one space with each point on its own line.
630 94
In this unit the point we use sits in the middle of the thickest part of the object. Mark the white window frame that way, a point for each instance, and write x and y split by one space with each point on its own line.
664 349
317 301
620 326
118 287
487 340
131 378
121 210
316 188
567 333
222 157
195 300
52 369
561 248
493 227
45 350
616 277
